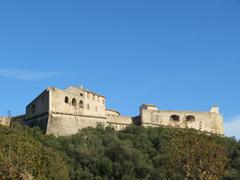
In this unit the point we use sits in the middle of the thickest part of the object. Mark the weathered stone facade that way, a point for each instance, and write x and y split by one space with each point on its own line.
204 121
64 112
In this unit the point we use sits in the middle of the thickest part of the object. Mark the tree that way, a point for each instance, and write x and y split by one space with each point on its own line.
197 155
22 157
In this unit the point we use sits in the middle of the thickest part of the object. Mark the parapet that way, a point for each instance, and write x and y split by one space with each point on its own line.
148 107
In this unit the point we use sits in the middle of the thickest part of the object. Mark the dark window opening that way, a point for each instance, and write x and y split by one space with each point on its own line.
66 100
174 118
81 104
74 102
190 118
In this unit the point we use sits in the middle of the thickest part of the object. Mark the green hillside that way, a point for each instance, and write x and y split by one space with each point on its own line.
102 153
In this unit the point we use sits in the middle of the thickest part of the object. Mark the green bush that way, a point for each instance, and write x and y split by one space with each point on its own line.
23 157
102 153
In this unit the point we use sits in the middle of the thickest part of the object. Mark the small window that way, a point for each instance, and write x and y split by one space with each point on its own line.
94 97
103 101
96 108
66 100
74 102
190 118
81 94
174 118
88 107
81 104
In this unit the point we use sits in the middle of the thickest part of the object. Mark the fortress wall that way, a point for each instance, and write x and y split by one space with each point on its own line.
64 112
95 104
38 106
110 112
63 124
204 121
37 112
118 122
39 121
90 106
19 119
5 121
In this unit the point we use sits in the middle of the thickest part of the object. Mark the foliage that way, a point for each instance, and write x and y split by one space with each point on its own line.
134 153
23 157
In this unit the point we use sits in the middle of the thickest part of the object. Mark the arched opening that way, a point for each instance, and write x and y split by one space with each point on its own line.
81 105
74 102
96 108
88 107
190 118
66 100
81 94
174 118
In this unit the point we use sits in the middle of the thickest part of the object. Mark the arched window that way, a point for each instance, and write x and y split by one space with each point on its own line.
190 118
66 100
81 94
103 101
81 105
74 102
174 118
96 108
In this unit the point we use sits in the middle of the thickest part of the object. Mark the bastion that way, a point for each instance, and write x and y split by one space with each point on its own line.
65 112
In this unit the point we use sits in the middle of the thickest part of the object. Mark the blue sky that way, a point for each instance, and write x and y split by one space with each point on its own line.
175 54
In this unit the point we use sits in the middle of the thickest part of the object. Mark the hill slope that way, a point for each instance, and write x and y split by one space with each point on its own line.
102 153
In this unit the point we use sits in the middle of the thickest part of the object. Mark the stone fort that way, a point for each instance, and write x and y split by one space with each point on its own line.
65 112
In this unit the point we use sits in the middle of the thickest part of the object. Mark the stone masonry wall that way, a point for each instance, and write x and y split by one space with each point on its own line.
63 125
79 102
65 112
203 121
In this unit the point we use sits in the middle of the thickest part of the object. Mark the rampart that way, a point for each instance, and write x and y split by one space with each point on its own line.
65 112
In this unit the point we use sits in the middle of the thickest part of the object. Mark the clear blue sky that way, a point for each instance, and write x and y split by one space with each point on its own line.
175 54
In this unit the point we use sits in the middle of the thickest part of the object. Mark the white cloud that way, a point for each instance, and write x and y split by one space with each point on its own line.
232 127
28 75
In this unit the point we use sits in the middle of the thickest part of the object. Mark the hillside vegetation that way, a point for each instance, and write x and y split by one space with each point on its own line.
102 153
